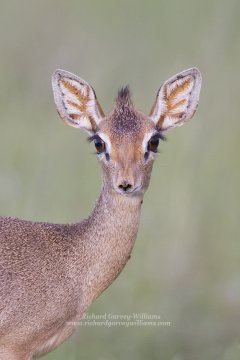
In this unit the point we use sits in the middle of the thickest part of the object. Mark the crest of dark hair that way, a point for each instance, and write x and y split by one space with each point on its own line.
124 96
124 93
124 115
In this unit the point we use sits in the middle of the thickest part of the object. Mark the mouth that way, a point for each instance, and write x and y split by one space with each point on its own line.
129 191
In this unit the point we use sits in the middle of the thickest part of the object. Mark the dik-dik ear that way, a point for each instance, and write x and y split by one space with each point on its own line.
76 101
177 100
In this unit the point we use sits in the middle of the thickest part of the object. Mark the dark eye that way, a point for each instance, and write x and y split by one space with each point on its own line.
153 144
99 145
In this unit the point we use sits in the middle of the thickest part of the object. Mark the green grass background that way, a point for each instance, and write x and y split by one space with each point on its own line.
186 262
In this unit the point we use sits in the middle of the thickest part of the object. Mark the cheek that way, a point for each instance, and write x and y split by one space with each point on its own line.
108 168
146 170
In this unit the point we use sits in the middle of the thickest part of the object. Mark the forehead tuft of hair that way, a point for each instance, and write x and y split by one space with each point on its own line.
124 92
125 118
124 96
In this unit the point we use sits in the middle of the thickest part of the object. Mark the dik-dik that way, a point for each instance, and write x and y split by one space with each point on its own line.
51 273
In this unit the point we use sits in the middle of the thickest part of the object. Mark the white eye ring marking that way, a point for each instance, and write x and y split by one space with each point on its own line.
107 142
146 139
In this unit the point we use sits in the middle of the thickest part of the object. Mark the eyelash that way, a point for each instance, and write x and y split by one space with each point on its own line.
159 136
98 141
153 143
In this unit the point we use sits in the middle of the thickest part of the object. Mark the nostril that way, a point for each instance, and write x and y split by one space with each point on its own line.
125 186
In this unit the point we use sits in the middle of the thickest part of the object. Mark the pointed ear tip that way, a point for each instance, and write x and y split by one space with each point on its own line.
196 74
195 71
57 73
61 72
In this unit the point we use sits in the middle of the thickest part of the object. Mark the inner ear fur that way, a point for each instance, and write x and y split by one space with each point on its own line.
76 101
177 100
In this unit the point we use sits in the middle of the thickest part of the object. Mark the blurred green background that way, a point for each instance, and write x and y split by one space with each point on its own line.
186 262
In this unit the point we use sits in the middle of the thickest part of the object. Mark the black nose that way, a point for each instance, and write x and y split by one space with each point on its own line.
125 186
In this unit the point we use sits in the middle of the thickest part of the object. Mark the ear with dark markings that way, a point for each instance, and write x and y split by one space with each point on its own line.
76 101
177 100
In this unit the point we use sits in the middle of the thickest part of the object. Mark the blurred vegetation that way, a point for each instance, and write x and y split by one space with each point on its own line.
186 262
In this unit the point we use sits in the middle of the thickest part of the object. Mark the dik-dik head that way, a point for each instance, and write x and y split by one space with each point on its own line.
126 140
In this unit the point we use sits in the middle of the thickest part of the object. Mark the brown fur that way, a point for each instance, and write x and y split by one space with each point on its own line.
51 273
179 89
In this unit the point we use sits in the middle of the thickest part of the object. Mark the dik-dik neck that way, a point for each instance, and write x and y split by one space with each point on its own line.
115 212
109 236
